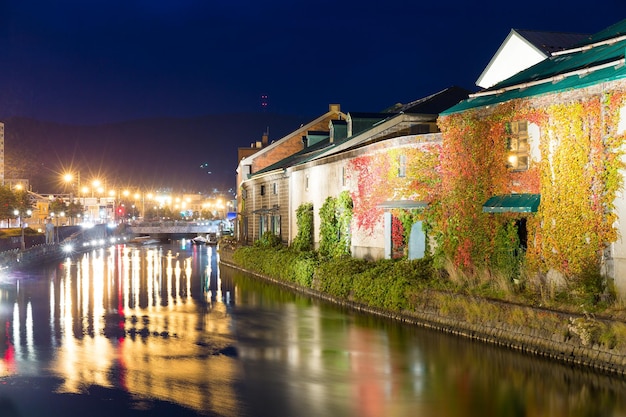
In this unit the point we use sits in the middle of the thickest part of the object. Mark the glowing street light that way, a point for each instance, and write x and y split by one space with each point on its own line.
18 214
68 178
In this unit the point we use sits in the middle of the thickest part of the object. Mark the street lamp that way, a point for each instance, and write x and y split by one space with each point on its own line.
69 180
52 216
19 215
84 191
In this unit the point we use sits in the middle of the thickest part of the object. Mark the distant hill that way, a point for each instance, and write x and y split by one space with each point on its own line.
170 152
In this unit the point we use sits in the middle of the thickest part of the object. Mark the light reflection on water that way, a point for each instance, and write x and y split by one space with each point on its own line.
149 328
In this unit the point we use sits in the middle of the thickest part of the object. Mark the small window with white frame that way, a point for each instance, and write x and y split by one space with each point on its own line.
517 146
402 166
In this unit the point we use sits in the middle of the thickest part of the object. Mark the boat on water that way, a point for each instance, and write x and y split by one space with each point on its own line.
144 240
208 239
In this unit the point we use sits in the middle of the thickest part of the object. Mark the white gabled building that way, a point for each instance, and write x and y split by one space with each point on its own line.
521 50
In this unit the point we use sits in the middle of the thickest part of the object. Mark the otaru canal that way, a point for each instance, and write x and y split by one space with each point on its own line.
164 331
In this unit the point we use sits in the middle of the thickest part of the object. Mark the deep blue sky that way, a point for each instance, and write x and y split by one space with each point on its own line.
97 61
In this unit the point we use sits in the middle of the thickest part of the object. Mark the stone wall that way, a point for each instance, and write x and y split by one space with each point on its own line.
538 331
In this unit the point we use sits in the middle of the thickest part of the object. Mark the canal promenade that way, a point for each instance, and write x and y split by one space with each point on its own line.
67 240
562 336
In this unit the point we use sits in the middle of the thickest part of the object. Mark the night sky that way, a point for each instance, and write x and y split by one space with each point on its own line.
90 62
99 61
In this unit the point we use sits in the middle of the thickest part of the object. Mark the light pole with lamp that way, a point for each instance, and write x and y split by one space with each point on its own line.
19 215
53 215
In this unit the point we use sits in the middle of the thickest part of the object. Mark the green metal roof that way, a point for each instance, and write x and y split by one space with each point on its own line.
569 83
512 203
560 72
612 31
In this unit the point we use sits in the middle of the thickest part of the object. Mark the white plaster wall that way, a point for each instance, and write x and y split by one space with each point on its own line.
327 181
533 141
619 247
514 56
323 181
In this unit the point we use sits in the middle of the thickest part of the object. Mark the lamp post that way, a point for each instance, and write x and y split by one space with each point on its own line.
69 180
19 215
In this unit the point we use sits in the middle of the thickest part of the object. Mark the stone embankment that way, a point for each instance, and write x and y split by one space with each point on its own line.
561 336
17 258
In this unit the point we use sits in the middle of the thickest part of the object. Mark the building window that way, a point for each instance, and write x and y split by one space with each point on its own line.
402 166
262 225
275 188
263 190
517 146
306 183
275 224
343 176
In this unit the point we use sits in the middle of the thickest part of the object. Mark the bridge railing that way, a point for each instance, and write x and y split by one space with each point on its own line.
171 227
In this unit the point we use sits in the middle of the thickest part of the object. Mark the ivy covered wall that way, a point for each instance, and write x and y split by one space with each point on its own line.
576 167
577 176
393 173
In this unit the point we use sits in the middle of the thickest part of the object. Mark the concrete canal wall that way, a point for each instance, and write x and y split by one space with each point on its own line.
37 251
561 336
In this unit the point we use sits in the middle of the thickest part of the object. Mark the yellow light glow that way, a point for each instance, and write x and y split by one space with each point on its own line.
513 160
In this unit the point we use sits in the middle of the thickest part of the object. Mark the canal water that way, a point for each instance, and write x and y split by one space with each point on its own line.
164 331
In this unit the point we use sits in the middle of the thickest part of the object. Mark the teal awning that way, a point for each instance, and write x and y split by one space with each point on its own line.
512 203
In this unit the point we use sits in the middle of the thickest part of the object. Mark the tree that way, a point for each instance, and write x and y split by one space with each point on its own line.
74 210
24 201
57 207
7 204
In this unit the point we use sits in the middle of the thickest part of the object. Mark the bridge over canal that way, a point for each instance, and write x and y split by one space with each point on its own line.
172 228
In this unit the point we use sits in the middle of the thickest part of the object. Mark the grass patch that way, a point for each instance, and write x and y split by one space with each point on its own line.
398 285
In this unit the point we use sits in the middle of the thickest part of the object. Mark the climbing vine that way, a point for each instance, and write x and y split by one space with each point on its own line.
335 222
304 220
577 177
579 183
473 165
397 238
376 179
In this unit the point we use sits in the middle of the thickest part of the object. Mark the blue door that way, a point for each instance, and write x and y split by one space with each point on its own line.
417 241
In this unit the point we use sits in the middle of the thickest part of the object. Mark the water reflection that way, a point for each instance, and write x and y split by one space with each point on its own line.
145 320
145 328
333 362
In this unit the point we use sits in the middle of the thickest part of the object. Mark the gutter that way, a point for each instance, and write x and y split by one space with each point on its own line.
589 46
554 78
